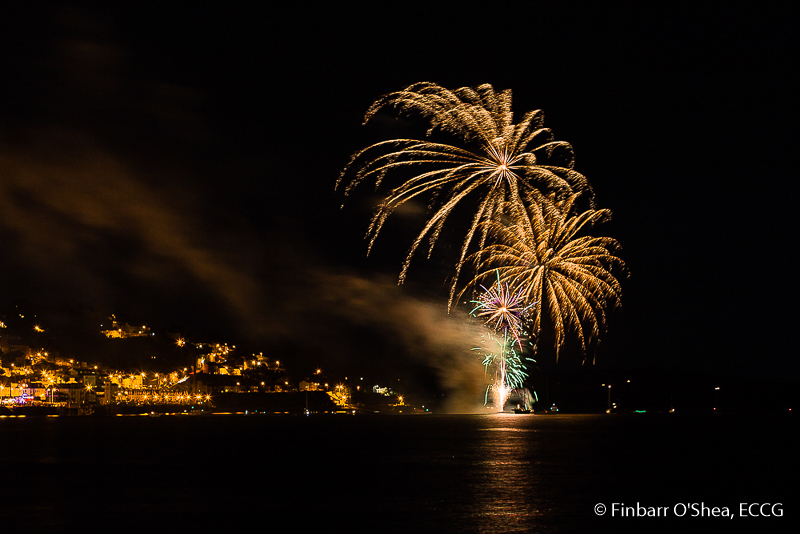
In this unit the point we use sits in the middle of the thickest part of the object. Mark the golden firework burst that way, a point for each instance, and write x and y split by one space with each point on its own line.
540 254
495 160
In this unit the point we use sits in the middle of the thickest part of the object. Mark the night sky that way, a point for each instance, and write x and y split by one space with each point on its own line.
176 166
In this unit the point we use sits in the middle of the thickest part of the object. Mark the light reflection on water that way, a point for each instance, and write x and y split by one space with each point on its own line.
486 473
504 490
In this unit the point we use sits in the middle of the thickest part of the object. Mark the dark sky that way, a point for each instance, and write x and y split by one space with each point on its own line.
175 164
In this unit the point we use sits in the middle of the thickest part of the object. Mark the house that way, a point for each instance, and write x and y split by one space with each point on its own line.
33 391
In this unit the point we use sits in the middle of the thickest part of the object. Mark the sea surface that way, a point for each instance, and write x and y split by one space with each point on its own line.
429 473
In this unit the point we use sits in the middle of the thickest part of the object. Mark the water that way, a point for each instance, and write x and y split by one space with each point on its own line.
491 473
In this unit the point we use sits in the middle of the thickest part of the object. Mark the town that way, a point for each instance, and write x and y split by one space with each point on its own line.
187 377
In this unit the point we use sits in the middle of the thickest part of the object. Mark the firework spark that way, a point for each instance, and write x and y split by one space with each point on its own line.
541 255
502 309
496 160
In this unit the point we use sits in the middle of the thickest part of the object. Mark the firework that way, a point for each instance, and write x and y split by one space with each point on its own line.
525 224
502 309
495 160
502 361
570 277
